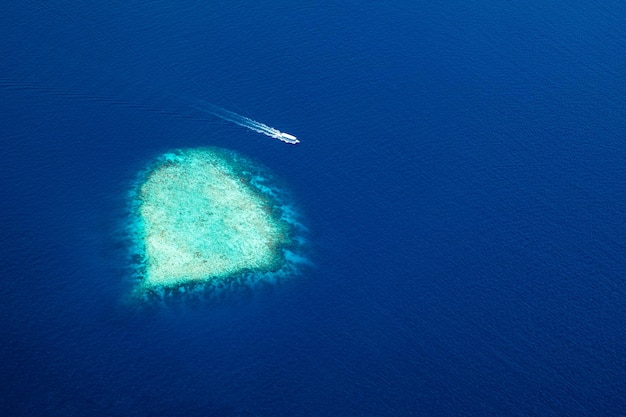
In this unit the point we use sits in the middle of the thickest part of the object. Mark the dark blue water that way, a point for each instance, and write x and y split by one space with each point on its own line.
461 171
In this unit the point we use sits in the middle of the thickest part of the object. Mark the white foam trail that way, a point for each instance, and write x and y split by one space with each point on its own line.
199 105
246 122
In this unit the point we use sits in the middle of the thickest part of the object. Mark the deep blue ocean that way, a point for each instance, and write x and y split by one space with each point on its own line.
461 171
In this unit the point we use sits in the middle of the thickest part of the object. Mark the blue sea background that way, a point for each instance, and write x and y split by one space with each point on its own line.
461 173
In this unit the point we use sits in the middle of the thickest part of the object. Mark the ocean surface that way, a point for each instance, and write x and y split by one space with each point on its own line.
461 171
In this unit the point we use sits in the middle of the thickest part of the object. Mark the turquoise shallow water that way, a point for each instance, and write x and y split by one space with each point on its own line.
206 220
460 170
